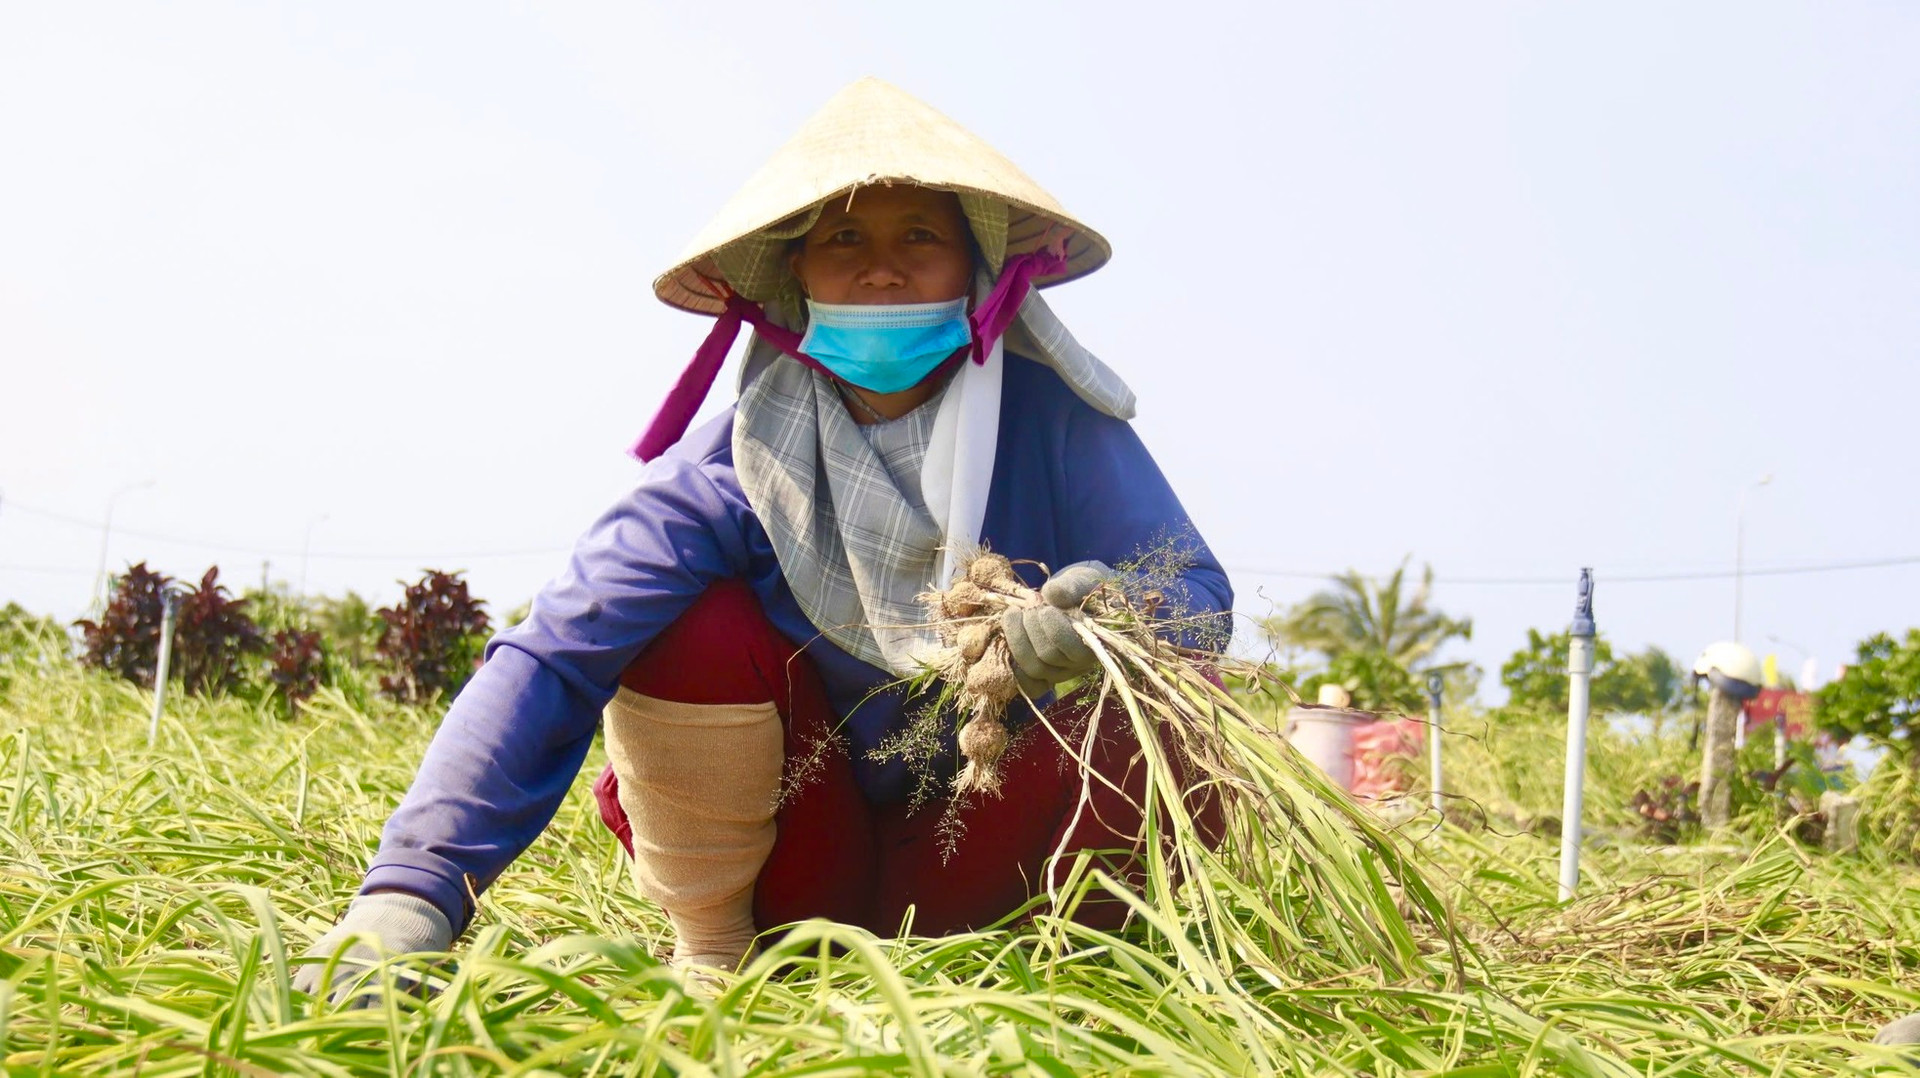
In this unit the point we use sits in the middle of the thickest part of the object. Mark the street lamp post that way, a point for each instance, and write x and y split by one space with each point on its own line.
106 533
306 549
1740 549
1739 571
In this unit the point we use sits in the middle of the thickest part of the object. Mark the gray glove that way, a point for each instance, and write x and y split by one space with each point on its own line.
1045 648
402 923
1900 1031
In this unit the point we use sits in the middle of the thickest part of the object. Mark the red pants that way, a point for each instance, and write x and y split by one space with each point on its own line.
838 857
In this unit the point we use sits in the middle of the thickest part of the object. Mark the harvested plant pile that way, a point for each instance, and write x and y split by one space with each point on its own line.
1356 901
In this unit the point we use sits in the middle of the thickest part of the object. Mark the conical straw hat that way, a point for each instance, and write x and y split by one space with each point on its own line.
869 133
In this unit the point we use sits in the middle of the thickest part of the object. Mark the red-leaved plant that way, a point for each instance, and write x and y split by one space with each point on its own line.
212 636
433 639
294 664
126 639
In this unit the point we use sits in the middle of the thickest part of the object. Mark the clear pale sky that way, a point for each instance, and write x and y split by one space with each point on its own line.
1508 288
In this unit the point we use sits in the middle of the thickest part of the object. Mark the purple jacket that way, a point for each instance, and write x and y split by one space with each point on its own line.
1069 484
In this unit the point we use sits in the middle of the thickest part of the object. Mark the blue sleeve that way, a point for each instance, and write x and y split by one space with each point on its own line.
1120 510
515 737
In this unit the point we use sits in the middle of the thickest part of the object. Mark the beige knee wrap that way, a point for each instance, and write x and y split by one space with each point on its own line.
698 783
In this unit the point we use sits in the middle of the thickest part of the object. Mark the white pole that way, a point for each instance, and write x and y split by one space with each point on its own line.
1579 669
1434 684
172 606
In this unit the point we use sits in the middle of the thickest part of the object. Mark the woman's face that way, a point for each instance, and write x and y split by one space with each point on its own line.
898 244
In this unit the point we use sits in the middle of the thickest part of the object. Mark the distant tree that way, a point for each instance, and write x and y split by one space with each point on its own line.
1378 638
348 626
1360 614
28 641
28 636
520 613
1878 696
1647 683
275 608
1375 682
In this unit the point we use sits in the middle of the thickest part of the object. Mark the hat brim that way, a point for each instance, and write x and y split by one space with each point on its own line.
871 133
690 285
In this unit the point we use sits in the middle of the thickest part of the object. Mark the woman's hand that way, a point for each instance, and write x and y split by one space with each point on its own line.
1046 647
398 921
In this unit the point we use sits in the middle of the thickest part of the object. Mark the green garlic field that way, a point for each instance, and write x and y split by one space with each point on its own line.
153 901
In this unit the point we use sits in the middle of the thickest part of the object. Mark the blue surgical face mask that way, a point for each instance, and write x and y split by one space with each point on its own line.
885 348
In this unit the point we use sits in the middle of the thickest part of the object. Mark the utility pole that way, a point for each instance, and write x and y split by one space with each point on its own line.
1740 548
1739 573
306 551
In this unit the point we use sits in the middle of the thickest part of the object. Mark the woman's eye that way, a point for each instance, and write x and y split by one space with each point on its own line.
843 236
920 235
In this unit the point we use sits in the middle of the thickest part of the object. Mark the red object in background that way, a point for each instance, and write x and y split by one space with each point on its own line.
1771 704
1375 746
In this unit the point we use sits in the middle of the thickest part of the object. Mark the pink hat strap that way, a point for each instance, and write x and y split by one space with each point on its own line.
990 320
696 381
995 313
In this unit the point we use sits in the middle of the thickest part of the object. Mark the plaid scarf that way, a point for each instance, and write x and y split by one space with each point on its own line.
843 507
859 533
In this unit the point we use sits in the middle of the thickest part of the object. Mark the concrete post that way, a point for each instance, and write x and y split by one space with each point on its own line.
1843 821
1716 761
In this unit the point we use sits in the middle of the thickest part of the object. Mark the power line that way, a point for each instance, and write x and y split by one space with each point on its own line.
1625 578
288 552
1561 580
1778 570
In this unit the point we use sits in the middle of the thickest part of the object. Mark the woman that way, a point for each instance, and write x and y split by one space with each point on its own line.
744 616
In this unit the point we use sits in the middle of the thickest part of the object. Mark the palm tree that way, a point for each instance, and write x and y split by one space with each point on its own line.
1361 618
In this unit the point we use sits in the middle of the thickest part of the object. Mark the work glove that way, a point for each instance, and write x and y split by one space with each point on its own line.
402 923
1901 1031
1046 649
